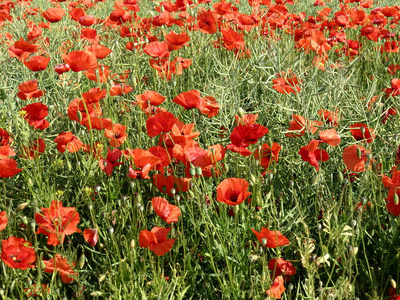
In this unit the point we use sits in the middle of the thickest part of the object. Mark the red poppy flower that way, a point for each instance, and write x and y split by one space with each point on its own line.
107 165
177 41
120 90
281 266
35 113
361 132
6 151
245 135
99 73
163 155
90 235
232 39
271 239
87 20
28 90
144 160
208 106
330 136
168 212
62 68
56 222
149 98
246 119
94 95
3 220
81 60
206 22
233 191
37 63
394 181
76 13
37 290
166 184
287 85
208 159
156 240
53 14
5 138
60 264
355 157
312 154
22 49
161 122
395 88
329 117
8 168
277 288
299 125
188 100
157 49
116 134
66 140
266 155
17 253
34 150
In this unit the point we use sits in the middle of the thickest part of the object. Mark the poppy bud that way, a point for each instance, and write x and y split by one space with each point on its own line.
264 241
253 179
133 244
396 199
316 179
173 191
178 198
82 260
102 277
110 230
33 225
393 283
319 226
192 172
132 184
97 188
340 176
240 112
24 220
199 172
270 176
226 168
353 223
22 206
291 183
359 153
90 207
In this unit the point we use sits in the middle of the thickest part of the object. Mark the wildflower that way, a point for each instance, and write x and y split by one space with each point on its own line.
312 154
266 155
277 288
60 264
66 140
17 253
3 220
270 239
57 221
156 240
355 157
90 235
233 191
166 211
107 165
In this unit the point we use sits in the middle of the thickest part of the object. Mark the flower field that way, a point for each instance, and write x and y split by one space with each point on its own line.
243 149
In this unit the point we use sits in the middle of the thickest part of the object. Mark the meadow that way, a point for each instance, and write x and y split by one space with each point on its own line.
199 149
